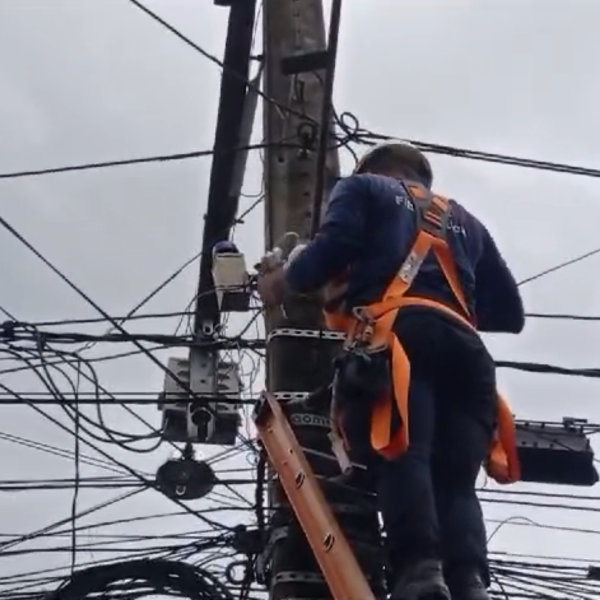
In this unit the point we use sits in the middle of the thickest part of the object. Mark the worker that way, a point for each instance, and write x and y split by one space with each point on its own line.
426 272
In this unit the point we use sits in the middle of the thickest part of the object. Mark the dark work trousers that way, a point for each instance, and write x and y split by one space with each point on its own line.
427 496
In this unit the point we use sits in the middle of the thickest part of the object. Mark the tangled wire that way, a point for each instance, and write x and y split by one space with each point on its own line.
133 579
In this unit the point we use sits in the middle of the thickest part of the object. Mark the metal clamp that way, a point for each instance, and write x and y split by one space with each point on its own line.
291 397
298 577
312 334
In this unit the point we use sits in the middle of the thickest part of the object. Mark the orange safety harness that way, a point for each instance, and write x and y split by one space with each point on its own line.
371 328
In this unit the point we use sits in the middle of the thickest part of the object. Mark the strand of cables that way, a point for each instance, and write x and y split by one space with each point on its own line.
14 331
348 132
352 132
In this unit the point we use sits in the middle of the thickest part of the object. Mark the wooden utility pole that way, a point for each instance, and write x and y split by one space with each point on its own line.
299 359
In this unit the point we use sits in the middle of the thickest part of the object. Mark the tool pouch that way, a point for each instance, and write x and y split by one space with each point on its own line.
362 376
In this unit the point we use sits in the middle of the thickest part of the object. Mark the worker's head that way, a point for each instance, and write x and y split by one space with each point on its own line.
397 159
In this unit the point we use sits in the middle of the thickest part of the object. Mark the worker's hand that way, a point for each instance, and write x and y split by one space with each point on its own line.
272 287
270 262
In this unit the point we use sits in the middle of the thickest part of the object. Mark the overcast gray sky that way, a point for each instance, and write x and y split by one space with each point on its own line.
94 80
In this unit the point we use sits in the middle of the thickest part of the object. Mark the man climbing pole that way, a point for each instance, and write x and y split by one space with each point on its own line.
411 278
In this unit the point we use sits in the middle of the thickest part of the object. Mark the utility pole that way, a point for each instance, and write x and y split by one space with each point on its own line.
299 355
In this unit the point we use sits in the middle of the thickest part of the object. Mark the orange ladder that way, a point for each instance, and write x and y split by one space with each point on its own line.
338 564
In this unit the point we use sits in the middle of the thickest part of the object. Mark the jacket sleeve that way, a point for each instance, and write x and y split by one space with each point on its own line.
339 241
499 306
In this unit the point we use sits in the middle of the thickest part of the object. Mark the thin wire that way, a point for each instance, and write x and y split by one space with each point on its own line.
560 266
125 162
238 219
184 385
124 466
76 460
371 138
219 63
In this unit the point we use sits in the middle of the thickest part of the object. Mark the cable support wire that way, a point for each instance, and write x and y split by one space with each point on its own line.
160 158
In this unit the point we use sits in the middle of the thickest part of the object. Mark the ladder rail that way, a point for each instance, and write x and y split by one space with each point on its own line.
331 549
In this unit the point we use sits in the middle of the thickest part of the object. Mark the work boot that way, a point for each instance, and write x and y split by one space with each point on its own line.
468 586
423 580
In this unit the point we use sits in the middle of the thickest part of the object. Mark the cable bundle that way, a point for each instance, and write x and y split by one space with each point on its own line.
137 578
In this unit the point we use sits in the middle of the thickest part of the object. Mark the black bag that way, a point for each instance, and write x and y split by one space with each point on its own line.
361 378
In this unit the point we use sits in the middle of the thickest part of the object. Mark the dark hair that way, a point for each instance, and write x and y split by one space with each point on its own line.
386 162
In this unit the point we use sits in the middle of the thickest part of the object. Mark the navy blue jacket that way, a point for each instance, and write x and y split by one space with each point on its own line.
369 227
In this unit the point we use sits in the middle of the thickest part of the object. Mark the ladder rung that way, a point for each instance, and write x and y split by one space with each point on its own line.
331 548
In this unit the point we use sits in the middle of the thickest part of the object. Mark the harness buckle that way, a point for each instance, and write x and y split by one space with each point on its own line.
362 314
363 330
432 210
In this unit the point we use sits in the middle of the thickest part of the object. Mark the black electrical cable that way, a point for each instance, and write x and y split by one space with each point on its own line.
371 138
56 576
76 463
55 528
546 369
106 402
92 378
100 320
91 360
21 331
160 576
44 530
560 266
562 317
220 63
237 220
48 380
20 354
124 466
55 392
183 384
60 452
128 161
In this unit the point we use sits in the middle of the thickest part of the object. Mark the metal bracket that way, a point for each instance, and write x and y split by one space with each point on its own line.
203 382
305 62
338 509
298 576
312 334
291 397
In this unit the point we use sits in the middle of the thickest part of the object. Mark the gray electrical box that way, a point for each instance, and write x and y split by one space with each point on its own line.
212 414
231 281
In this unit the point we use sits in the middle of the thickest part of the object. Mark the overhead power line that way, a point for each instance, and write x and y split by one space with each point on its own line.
505 159
128 161
560 266
562 317
359 137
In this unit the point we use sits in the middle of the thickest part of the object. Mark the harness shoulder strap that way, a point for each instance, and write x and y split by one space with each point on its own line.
432 215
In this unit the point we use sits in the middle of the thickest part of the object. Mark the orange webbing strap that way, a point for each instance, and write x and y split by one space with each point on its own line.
383 439
503 463
433 213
